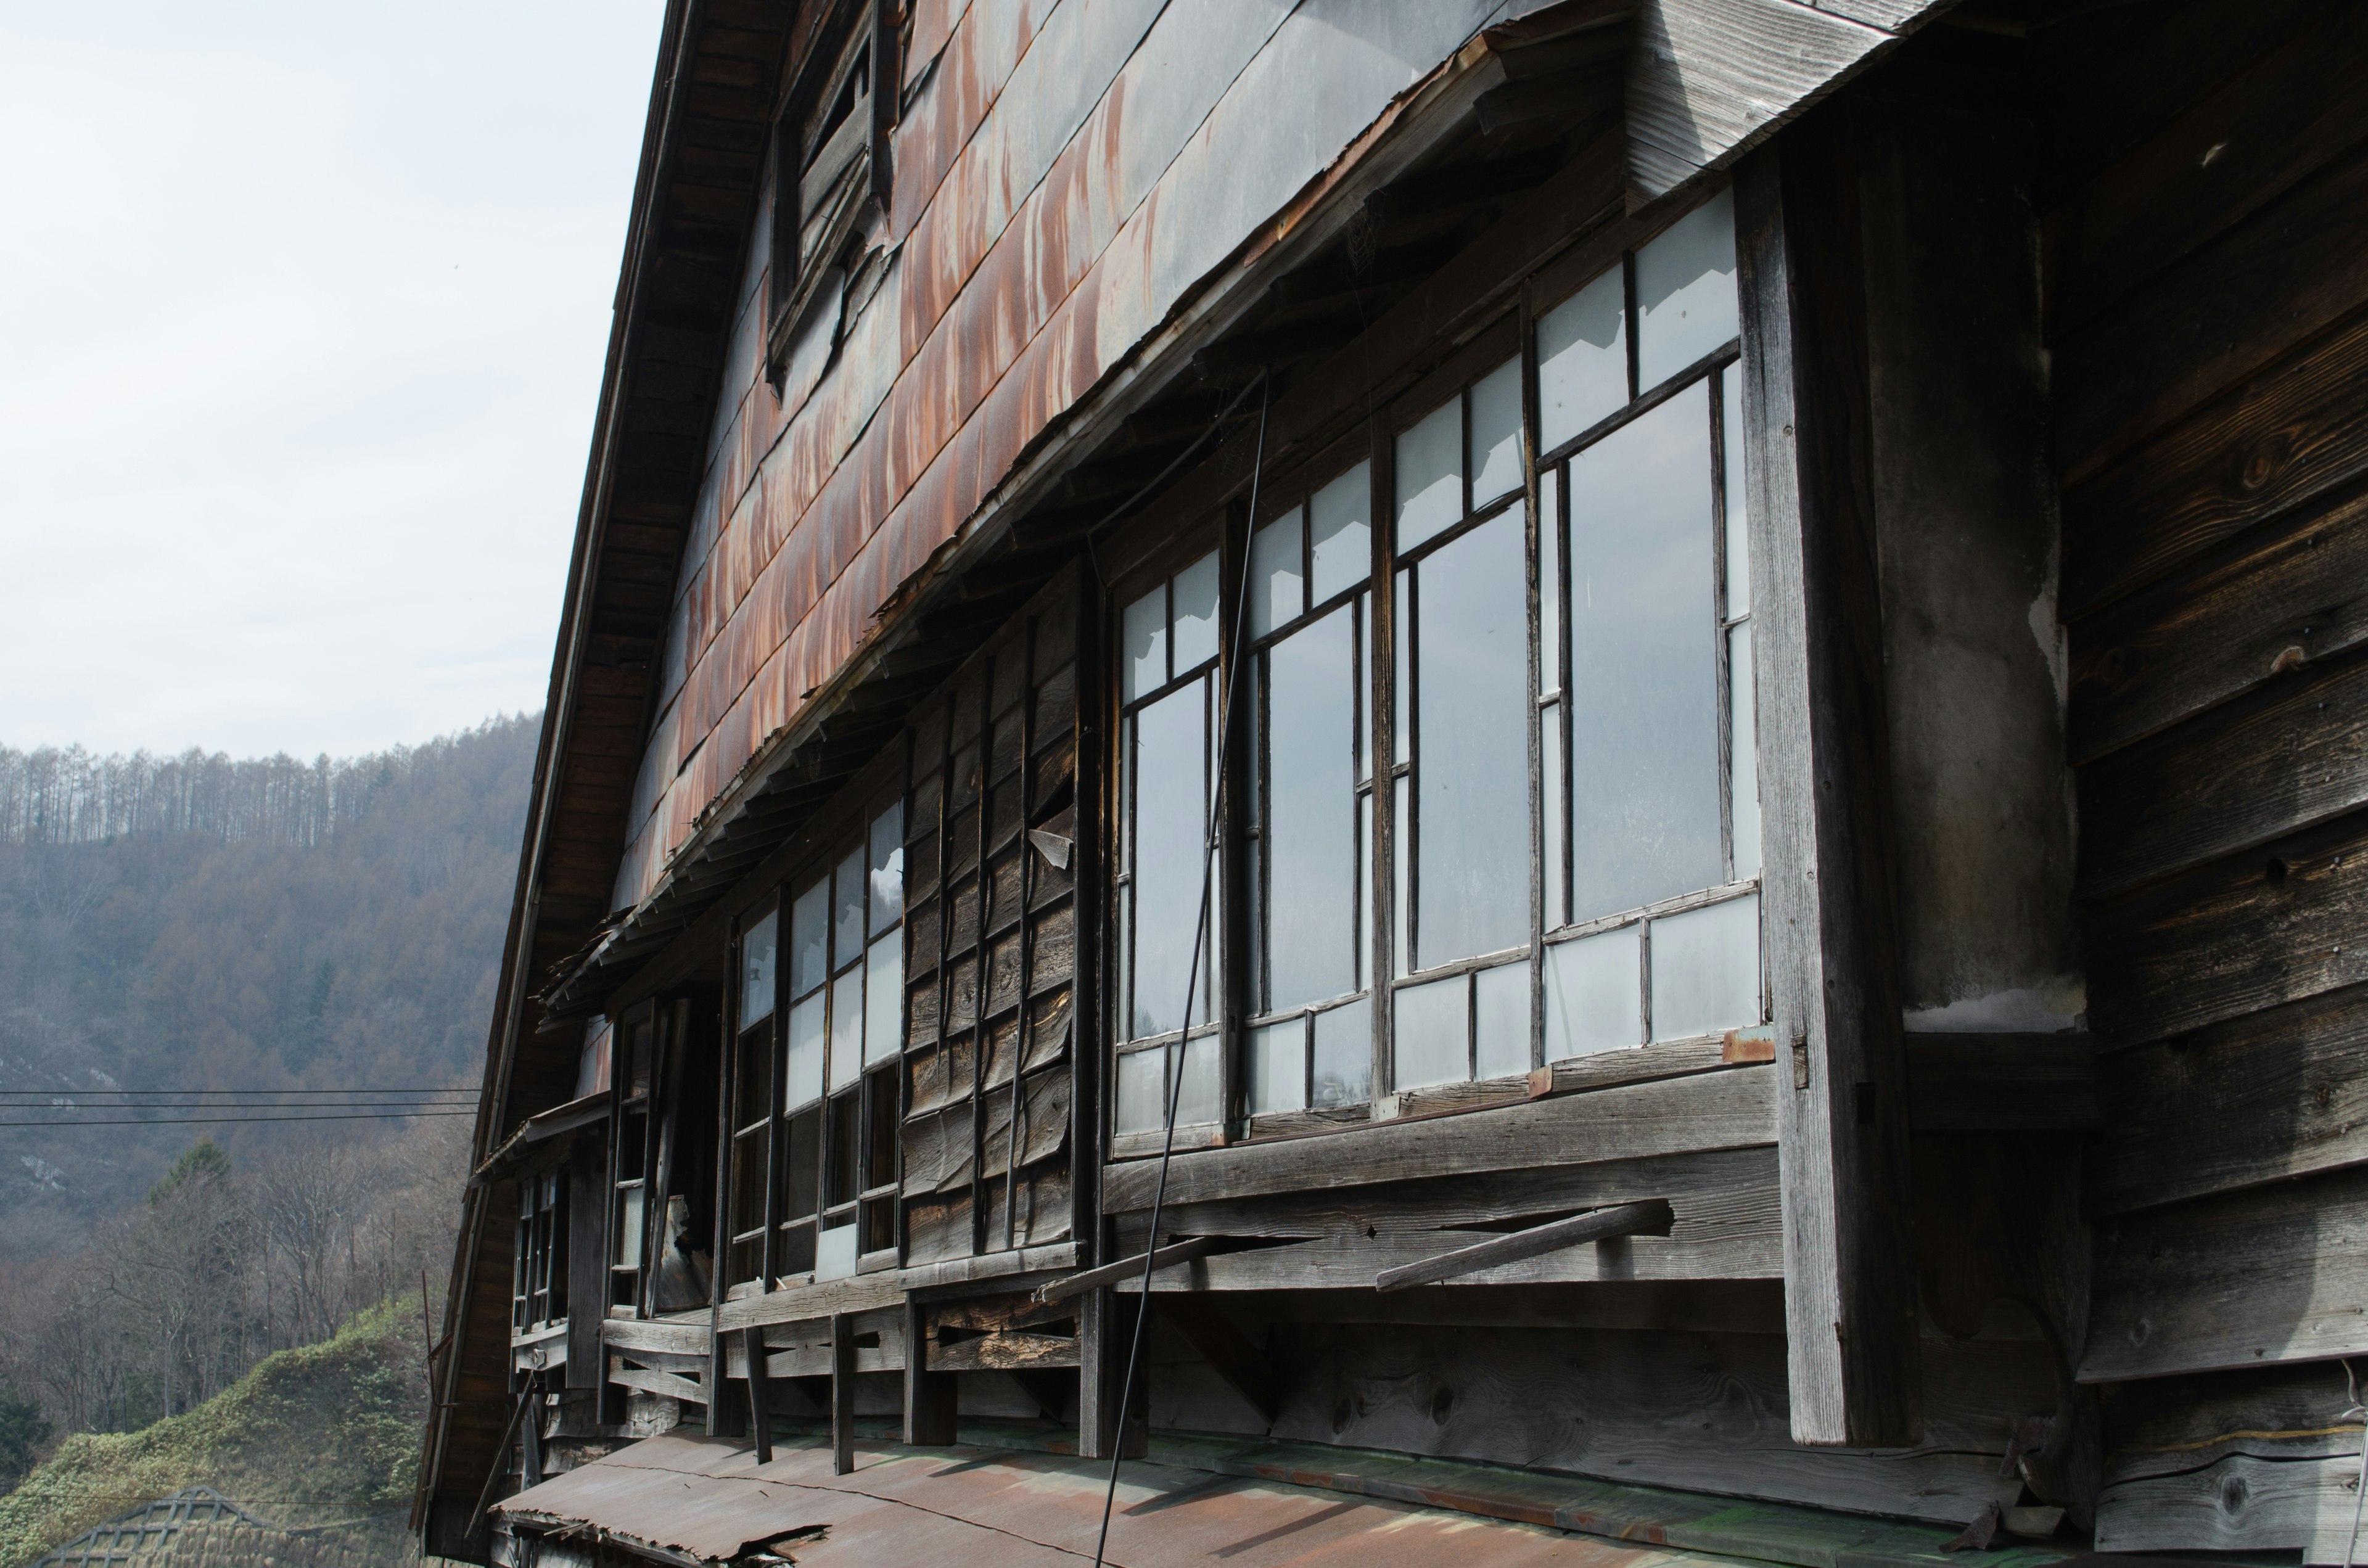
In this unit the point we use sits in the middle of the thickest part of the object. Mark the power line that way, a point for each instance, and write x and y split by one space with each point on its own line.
187 1120
351 1089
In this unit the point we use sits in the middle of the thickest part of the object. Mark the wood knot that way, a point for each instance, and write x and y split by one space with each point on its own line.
2289 658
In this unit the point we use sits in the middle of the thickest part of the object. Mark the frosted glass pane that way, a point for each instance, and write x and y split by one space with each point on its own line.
1473 776
1400 892
810 939
1277 1067
1145 663
847 1029
1644 677
1170 827
883 998
1496 434
888 868
628 1228
759 951
1431 474
1312 813
1434 1025
1592 995
1552 805
1685 291
1501 1010
834 1254
1549 582
1706 970
1402 680
803 1081
1339 532
846 910
1582 361
1745 750
1344 1054
1140 1091
1196 613
1278 582
1738 520
1198 1101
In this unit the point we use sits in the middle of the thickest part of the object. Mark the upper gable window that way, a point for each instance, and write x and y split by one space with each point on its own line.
831 158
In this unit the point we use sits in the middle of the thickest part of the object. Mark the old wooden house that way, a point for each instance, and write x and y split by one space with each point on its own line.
1477 778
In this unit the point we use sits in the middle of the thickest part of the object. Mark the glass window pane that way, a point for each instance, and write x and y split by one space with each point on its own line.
1312 792
888 868
1196 1101
1497 433
802 1167
1685 291
1278 579
845 1029
760 950
1144 663
1171 827
1706 970
1433 1035
883 995
836 1253
802 1081
1644 697
810 939
1744 748
1401 884
1549 582
1501 1010
1594 995
1344 1054
847 918
1339 532
1141 1091
1473 777
1277 1067
629 1230
1431 474
1364 882
1196 613
1401 687
1552 804
1738 520
1582 360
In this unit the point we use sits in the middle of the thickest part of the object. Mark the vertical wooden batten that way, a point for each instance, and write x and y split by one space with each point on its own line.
1829 915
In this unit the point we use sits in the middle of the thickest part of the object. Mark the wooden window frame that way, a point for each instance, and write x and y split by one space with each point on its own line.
860 36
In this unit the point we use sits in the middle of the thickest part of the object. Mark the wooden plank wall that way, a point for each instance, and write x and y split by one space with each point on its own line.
2206 221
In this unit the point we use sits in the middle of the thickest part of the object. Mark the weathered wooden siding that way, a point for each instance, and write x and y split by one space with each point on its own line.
2209 308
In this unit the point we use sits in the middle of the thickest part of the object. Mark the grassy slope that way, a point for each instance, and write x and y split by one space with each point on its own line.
328 1431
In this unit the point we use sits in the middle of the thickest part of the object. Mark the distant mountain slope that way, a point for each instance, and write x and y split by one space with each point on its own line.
197 923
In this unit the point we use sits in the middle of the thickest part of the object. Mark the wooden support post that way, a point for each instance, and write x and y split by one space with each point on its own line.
531 1437
928 1396
842 1394
1104 1322
760 1400
1831 943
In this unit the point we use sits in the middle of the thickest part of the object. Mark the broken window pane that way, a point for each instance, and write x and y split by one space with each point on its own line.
1277 1067
1685 291
810 939
888 868
1146 636
760 950
802 1079
1196 613
1431 474
1434 1024
1500 1015
1339 532
845 1029
1496 434
1312 794
1643 696
1278 580
1170 828
1344 1054
1473 783
1593 994
1706 970
1582 360
846 919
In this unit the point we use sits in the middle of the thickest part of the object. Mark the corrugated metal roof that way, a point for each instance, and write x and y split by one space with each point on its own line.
713 1501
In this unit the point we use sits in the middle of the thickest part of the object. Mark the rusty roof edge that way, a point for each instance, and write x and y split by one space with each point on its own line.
1315 214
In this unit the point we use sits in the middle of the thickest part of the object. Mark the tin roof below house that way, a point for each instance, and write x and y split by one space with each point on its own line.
710 1500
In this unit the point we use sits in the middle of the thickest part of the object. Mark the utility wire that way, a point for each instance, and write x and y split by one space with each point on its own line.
187 1120
357 1089
1235 661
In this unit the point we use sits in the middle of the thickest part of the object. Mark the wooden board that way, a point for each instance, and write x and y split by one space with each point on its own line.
2270 1274
1004 1352
682 1338
2256 1099
2168 1426
1719 1111
2001 1083
665 1383
2241 1503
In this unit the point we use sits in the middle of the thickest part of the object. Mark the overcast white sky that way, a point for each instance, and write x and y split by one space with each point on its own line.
302 308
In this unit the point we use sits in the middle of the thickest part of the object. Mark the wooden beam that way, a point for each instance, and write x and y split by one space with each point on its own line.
760 1410
1108 1422
929 1394
1831 947
667 1384
1006 1352
1127 1268
2001 1083
1651 1218
842 1394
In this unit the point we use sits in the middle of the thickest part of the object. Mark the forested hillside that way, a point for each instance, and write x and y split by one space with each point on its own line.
197 923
